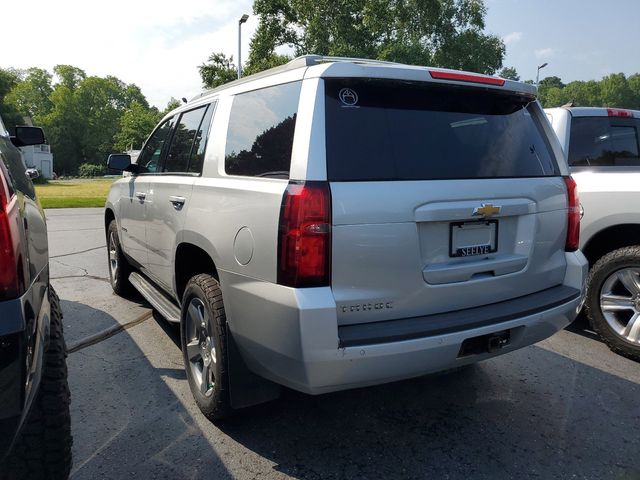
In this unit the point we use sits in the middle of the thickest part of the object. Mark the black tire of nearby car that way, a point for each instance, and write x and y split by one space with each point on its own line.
43 450
207 289
119 282
603 268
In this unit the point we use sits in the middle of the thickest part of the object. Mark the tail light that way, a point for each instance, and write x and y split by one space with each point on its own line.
573 225
10 285
466 77
304 235
619 112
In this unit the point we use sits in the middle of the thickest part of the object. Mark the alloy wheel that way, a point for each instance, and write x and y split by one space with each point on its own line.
113 256
201 350
620 303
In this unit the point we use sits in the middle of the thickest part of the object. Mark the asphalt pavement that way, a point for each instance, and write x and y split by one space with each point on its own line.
564 408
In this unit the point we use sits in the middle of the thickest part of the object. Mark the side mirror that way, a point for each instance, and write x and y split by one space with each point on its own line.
28 136
119 161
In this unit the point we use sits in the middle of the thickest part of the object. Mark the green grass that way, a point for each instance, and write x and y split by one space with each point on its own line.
74 193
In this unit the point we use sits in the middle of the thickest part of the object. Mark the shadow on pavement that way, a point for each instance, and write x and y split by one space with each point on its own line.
492 420
126 421
532 413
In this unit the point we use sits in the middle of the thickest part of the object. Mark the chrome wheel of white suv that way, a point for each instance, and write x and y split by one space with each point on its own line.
620 303
613 300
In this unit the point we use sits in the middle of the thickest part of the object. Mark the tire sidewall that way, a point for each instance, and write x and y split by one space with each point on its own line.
600 272
206 403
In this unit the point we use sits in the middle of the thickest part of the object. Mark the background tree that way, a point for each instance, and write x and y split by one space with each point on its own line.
446 33
218 70
136 124
84 117
509 73
11 117
31 95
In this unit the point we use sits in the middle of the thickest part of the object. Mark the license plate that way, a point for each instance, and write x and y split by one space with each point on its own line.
468 239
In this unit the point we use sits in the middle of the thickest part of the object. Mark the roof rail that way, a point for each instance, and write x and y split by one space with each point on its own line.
298 62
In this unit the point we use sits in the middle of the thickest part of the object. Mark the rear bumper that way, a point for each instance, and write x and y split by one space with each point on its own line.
22 343
291 336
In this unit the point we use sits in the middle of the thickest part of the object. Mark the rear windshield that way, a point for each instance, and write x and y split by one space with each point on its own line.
390 130
603 142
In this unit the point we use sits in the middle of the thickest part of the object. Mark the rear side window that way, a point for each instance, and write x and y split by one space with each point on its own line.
151 154
186 152
603 142
261 130
389 130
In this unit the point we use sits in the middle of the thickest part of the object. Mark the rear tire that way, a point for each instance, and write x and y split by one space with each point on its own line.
613 300
204 346
119 268
43 450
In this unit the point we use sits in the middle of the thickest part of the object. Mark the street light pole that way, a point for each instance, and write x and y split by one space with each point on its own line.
243 19
540 67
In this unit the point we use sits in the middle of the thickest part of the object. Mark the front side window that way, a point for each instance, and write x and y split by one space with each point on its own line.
600 142
151 155
186 144
261 129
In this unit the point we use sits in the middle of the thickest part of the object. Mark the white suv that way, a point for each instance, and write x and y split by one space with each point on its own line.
335 223
603 150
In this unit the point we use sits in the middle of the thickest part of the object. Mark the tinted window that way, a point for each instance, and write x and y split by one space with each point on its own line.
595 141
260 134
182 142
385 130
200 142
15 169
151 154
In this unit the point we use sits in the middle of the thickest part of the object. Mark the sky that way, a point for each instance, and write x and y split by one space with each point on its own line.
158 44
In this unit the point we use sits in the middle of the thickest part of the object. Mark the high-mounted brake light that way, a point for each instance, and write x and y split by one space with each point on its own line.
10 286
304 235
466 77
619 112
573 224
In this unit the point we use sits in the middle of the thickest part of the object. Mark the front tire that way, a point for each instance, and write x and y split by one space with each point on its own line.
613 300
43 450
204 345
119 268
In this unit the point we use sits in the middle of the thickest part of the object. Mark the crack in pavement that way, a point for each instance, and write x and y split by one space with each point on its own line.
108 333
74 229
92 277
77 253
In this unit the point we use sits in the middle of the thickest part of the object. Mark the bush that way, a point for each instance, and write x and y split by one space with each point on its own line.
91 170
40 180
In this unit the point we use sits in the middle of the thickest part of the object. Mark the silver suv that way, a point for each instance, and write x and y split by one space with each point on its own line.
335 223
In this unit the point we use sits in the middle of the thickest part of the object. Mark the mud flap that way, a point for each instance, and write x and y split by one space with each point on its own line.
245 387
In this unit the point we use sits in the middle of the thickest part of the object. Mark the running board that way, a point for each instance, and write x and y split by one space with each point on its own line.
155 297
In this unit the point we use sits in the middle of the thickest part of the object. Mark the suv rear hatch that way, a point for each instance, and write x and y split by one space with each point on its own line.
444 197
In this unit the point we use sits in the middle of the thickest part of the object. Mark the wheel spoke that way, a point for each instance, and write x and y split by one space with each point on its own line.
204 386
194 313
632 330
630 280
193 350
612 303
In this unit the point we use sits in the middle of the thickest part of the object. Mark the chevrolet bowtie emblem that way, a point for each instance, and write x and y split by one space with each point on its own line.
486 210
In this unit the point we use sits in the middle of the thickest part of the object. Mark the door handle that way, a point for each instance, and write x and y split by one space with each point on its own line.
141 196
177 202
